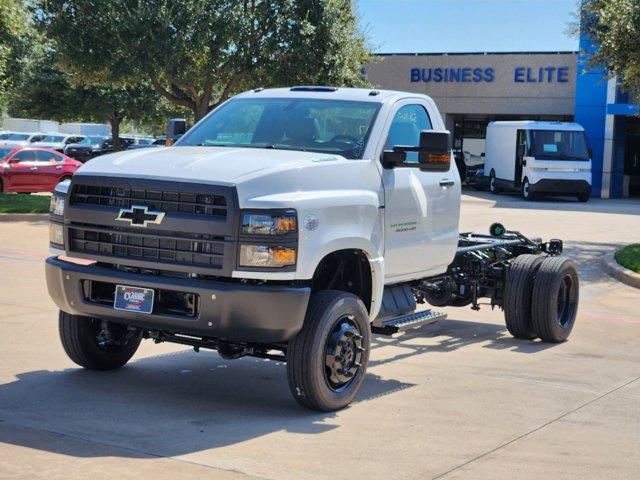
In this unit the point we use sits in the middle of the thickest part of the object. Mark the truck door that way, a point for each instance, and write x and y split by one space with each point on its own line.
421 208
521 151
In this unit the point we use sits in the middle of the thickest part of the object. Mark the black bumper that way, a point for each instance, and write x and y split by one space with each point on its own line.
560 187
228 311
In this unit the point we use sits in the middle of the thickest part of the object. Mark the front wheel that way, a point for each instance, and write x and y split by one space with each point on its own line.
526 190
327 360
97 344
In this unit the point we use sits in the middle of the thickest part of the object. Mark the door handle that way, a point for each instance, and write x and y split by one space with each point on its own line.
33 169
446 183
58 167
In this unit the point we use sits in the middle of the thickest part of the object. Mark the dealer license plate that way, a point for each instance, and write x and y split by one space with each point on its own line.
133 299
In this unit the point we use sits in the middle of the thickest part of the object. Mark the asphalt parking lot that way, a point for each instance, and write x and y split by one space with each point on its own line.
458 399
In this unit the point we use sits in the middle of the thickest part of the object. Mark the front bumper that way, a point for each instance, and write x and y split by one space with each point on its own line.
560 187
227 311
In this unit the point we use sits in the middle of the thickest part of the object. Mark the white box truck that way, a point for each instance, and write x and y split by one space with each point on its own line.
538 158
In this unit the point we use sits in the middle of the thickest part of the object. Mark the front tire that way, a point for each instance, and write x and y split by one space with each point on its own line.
97 344
327 360
526 190
555 299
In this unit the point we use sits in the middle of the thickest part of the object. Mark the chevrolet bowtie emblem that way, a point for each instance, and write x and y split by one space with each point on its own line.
139 216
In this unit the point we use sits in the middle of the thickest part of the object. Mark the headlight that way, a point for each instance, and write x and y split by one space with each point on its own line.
267 256
269 224
56 233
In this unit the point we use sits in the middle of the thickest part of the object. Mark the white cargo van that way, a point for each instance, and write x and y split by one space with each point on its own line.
538 158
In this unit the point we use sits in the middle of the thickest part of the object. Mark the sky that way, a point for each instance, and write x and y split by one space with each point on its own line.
454 26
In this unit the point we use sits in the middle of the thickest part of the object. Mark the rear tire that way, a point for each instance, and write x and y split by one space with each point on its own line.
517 296
327 360
493 188
91 346
555 299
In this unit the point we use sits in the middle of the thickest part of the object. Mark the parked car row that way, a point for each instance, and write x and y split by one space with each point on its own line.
37 162
32 169
56 141
93 146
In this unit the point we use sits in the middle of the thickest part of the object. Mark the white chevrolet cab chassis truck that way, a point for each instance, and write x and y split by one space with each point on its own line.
289 224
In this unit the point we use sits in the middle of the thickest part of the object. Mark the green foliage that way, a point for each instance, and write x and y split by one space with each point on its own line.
197 53
17 38
614 26
629 257
16 203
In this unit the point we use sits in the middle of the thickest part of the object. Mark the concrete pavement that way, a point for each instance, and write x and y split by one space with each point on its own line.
459 399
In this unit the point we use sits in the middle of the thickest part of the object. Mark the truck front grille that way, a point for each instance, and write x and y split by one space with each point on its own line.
198 232
156 199
173 247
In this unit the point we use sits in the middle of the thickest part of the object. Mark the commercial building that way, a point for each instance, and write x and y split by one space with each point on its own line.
473 89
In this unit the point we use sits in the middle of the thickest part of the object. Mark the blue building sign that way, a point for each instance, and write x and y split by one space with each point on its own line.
488 75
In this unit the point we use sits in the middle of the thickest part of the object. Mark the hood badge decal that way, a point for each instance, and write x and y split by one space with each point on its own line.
140 216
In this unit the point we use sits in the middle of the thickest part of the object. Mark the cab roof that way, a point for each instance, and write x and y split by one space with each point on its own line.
372 95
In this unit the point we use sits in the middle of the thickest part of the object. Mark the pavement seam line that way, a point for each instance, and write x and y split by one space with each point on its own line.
537 429
150 455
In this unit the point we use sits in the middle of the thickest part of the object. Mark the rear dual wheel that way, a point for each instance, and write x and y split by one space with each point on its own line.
541 298
555 296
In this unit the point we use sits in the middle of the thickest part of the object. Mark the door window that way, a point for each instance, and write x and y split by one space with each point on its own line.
405 129
25 156
47 157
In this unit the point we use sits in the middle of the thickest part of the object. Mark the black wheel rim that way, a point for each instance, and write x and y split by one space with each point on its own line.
344 352
566 301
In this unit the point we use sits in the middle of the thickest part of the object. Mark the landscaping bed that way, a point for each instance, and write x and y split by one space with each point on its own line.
20 203
629 257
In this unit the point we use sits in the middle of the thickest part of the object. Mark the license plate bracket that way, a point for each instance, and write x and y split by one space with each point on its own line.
134 299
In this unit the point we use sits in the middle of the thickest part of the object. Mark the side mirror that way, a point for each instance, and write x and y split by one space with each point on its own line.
521 149
434 153
175 129
13 161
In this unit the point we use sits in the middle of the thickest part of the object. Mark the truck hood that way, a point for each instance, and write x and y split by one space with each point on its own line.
216 165
256 173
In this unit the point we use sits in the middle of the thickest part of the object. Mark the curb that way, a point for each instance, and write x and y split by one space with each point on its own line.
24 217
618 272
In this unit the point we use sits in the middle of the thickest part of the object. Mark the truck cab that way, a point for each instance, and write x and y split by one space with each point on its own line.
538 158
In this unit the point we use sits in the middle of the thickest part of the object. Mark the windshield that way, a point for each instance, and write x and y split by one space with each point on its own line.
326 126
53 139
559 145
19 136
91 141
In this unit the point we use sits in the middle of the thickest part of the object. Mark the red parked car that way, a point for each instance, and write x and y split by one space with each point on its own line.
28 170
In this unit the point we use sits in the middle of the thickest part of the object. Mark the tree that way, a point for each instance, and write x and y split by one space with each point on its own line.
197 53
17 38
614 28
47 92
